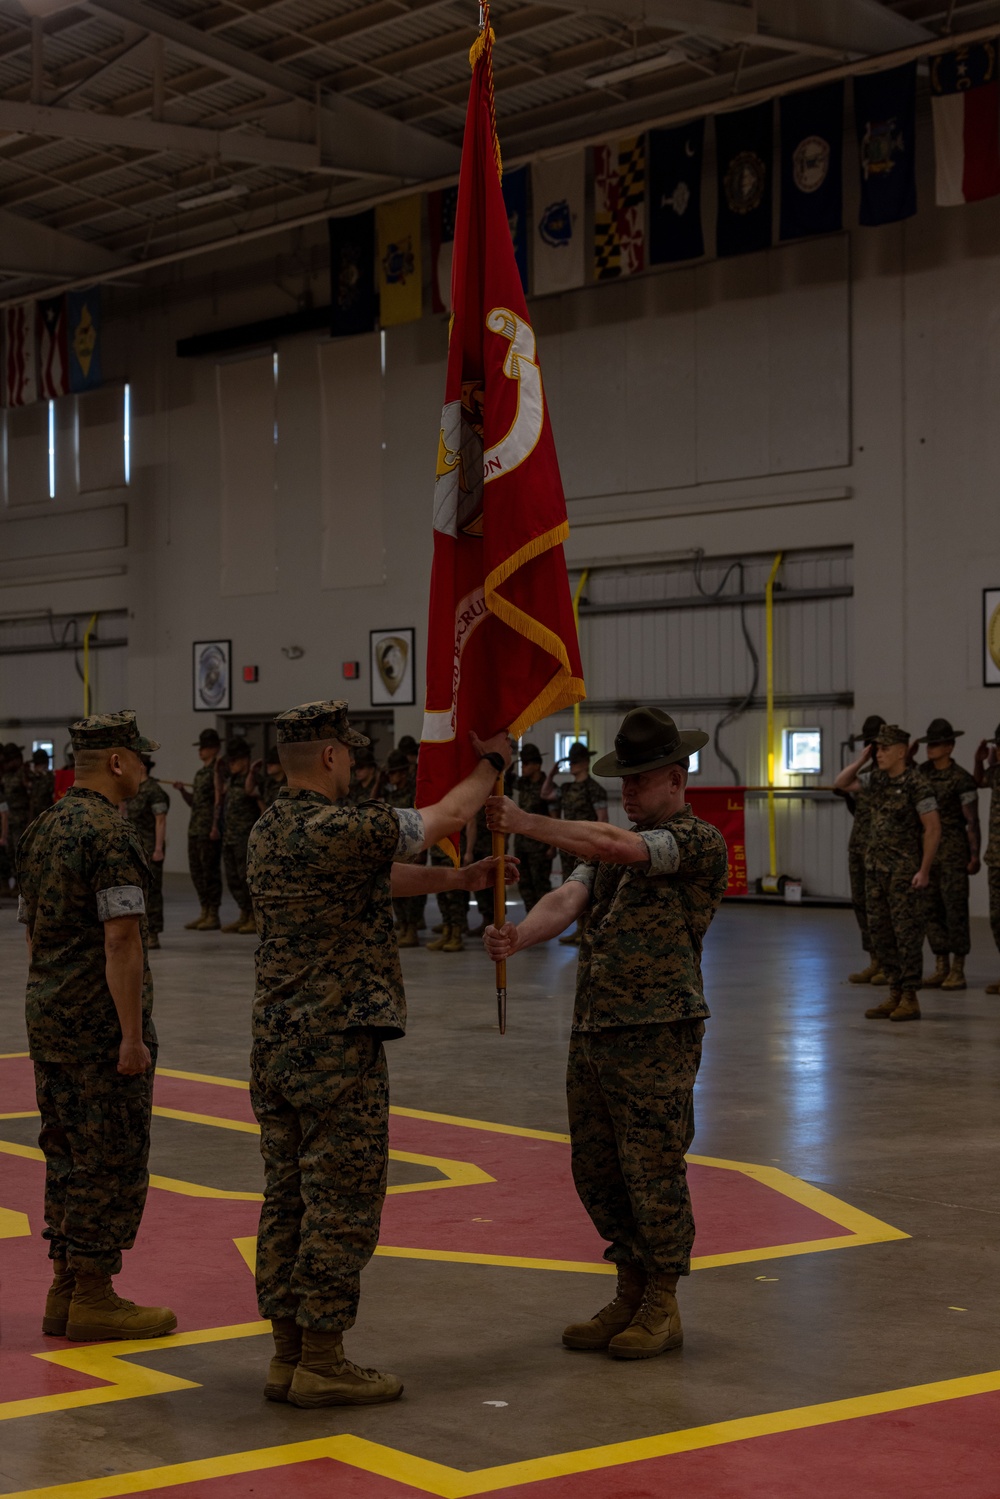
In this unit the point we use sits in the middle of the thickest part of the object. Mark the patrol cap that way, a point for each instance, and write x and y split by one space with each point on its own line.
236 748
870 728
647 740
891 733
940 731
208 739
318 721
397 760
110 731
530 754
578 751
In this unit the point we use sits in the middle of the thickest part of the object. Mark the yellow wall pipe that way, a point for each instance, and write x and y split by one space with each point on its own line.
86 665
769 627
576 620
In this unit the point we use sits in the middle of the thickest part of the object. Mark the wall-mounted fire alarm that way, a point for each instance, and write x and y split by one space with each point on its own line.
351 670
251 673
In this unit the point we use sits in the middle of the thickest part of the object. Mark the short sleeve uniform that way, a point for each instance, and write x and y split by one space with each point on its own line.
202 803
953 789
898 803
79 865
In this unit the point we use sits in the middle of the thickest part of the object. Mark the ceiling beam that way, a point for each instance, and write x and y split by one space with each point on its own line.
49 253
719 19
864 27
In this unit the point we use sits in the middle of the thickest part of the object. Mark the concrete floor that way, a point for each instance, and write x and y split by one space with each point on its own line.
897 1121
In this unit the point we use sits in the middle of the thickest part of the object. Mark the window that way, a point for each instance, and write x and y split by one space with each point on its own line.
803 751
563 742
694 762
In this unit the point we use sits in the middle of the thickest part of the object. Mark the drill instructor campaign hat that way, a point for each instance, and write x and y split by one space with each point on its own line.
530 754
870 728
208 739
647 740
111 731
940 731
891 733
578 751
318 721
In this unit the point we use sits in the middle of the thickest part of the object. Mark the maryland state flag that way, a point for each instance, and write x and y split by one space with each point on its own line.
502 649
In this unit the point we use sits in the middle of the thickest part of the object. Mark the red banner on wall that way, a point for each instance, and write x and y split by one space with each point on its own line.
723 807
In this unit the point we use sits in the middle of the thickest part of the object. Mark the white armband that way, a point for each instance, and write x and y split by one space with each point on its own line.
120 900
664 855
583 874
412 836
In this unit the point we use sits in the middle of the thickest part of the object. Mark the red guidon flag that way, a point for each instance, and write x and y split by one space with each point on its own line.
502 650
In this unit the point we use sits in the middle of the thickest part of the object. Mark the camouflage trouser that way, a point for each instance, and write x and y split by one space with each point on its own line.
856 869
535 871
897 920
95 1139
205 864
407 909
234 859
631 1118
484 904
14 831
324 1136
948 906
993 879
154 897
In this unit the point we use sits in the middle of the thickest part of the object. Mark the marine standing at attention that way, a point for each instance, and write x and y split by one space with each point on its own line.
204 851
14 796
399 790
147 812
581 799
239 811
957 857
41 785
535 853
987 773
89 1003
329 992
651 892
857 845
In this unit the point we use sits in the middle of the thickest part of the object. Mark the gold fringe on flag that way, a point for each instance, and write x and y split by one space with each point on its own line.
482 47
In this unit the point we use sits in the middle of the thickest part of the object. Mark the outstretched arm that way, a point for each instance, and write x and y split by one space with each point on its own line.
462 803
590 840
430 879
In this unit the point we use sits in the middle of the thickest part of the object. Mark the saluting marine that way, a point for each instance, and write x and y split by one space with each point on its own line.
857 846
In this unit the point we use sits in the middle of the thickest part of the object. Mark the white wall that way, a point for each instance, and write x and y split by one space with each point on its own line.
671 400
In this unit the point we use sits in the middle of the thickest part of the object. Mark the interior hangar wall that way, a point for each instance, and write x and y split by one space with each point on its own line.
835 394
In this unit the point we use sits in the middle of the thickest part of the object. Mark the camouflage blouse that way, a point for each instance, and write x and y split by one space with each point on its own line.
953 789
640 955
149 803
898 803
318 872
79 865
202 803
578 801
41 792
240 809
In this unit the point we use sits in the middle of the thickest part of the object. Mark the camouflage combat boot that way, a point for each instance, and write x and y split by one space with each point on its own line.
407 937
936 979
96 1313
325 1377
247 924
656 1326
908 1007
879 980
210 921
287 1351
454 942
993 988
885 1009
193 926
596 1334
439 942
956 977
232 926
57 1301
865 975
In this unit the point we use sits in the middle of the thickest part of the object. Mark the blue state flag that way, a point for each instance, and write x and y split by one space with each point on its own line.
84 338
885 118
675 162
515 197
745 149
812 161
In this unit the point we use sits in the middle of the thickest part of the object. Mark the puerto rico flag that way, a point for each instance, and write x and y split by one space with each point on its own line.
965 99
20 384
53 347
502 650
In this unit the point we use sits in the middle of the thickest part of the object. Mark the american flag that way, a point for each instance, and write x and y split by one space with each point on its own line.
20 385
53 348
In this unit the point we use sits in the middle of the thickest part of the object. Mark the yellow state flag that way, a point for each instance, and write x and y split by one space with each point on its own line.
399 261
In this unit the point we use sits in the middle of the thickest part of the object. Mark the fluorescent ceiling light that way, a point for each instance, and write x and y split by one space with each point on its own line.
217 195
636 69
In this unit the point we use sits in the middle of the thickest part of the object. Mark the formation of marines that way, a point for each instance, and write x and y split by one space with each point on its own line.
323 871
914 844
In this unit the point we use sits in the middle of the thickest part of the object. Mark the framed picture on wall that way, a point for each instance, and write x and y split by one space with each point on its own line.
212 677
991 637
392 676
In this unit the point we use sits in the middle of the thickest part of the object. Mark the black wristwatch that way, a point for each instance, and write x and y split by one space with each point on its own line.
496 761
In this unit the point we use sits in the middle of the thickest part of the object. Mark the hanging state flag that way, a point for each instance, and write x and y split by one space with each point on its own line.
20 379
745 152
675 162
84 314
399 261
53 347
515 196
557 197
812 161
885 119
619 209
501 640
353 304
965 101
441 222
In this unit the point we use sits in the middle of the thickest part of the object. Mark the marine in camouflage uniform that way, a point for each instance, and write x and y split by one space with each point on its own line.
239 814
400 790
14 795
150 802
897 851
987 774
860 805
204 851
582 799
948 892
452 904
366 779
482 848
638 1024
81 865
41 785
535 857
